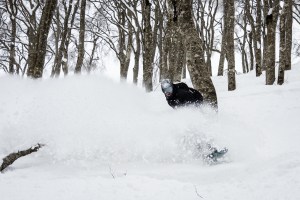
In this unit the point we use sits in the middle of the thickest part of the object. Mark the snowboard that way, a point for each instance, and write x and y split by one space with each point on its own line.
216 156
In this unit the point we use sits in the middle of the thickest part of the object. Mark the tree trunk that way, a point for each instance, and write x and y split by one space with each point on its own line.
180 57
81 38
166 49
11 158
125 49
224 38
90 66
282 45
12 10
147 46
36 67
58 57
251 49
289 35
258 60
271 21
230 45
194 51
137 57
64 63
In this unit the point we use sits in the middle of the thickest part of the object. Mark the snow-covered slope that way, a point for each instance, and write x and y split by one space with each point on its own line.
109 140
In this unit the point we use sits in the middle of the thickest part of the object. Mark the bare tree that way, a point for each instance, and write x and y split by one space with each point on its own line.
35 70
125 29
194 51
11 6
271 22
289 34
224 36
206 22
282 45
257 39
285 41
81 38
63 36
147 46
118 31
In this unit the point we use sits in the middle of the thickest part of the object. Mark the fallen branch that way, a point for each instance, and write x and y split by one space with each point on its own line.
11 158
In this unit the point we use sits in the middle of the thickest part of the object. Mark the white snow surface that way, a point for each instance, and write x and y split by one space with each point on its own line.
111 140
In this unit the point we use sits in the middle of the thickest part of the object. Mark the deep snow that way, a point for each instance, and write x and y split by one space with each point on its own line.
110 140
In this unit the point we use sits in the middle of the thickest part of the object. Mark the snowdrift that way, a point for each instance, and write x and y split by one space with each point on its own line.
111 140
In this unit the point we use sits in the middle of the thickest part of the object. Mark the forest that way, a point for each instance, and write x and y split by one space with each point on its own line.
157 39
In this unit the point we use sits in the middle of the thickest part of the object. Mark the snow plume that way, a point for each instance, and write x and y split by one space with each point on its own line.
93 118
110 140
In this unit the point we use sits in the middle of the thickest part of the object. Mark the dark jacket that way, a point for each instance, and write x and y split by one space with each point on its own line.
184 96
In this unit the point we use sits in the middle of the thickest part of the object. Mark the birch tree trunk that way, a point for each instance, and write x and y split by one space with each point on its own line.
81 38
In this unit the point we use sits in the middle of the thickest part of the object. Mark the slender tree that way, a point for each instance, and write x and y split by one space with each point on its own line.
59 56
271 22
81 38
282 45
147 46
289 33
230 46
11 6
224 39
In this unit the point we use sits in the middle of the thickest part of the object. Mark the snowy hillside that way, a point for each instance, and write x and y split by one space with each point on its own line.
110 140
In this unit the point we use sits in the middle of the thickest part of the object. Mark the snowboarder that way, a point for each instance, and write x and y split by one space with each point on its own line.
180 95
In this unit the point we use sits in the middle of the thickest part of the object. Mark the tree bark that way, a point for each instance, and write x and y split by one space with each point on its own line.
12 10
289 34
223 45
194 51
147 46
271 21
137 53
11 158
59 56
258 59
36 67
230 47
124 49
282 46
81 38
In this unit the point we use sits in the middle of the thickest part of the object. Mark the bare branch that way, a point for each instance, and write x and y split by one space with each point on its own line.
11 158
